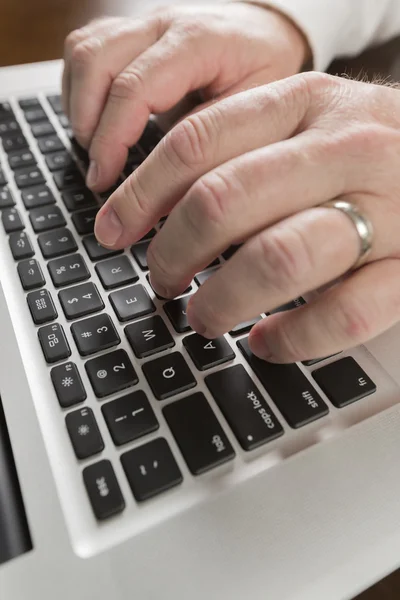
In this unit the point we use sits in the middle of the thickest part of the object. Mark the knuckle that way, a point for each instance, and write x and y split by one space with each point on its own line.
286 258
189 142
73 38
209 201
136 198
189 28
126 86
86 51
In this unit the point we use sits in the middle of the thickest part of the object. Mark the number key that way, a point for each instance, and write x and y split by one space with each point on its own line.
80 300
47 217
111 373
67 270
56 243
95 334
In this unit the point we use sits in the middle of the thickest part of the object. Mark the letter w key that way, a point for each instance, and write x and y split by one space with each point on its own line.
149 336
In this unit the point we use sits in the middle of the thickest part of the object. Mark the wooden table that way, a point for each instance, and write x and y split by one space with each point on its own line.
34 30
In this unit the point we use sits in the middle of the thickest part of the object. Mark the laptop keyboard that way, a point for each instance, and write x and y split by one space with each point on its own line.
213 406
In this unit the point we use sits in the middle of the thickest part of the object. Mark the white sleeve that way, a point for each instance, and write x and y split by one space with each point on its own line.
337 28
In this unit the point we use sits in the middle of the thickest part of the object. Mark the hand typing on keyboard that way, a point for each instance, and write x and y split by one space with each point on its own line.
254 167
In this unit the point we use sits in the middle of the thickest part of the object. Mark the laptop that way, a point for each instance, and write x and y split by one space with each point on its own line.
138 460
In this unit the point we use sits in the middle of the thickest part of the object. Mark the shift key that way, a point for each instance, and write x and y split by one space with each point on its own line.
288 387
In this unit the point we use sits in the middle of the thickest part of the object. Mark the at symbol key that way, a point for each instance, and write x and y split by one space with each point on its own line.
111 373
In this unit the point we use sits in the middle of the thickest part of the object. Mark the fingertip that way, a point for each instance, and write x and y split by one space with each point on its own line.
108 228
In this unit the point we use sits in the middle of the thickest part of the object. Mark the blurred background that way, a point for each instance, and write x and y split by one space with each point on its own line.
34 30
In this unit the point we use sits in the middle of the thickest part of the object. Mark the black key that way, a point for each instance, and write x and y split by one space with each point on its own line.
149 336
84 220
139 252
168 375
131 303
151 469
6 112
64 121
198 433
54 343
35 114
13 142
204 275
50 143
20 245
11 220
76 199
188 289
31 275
3 179
57 243
95 334
58 160
208 353
68 177
37 196
28 176
150 137
21 158
129 418
176 311
29 103
116 272
96 251
289 388
296 303
84 433
246 411
55 103
110 373
244 327
229 252
10 126
46 217
42 128
80 300
103 490
41 306
344 381
68 384
67 270
6 198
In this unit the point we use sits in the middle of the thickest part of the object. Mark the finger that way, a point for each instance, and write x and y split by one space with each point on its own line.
349 314
96 60
195 147
153 83
283 262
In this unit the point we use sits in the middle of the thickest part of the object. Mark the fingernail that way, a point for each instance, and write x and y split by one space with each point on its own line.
159 289
259 346
108 228
92 174
194 321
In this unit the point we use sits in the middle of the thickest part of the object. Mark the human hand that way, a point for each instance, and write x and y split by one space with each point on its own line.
255 167
118 71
